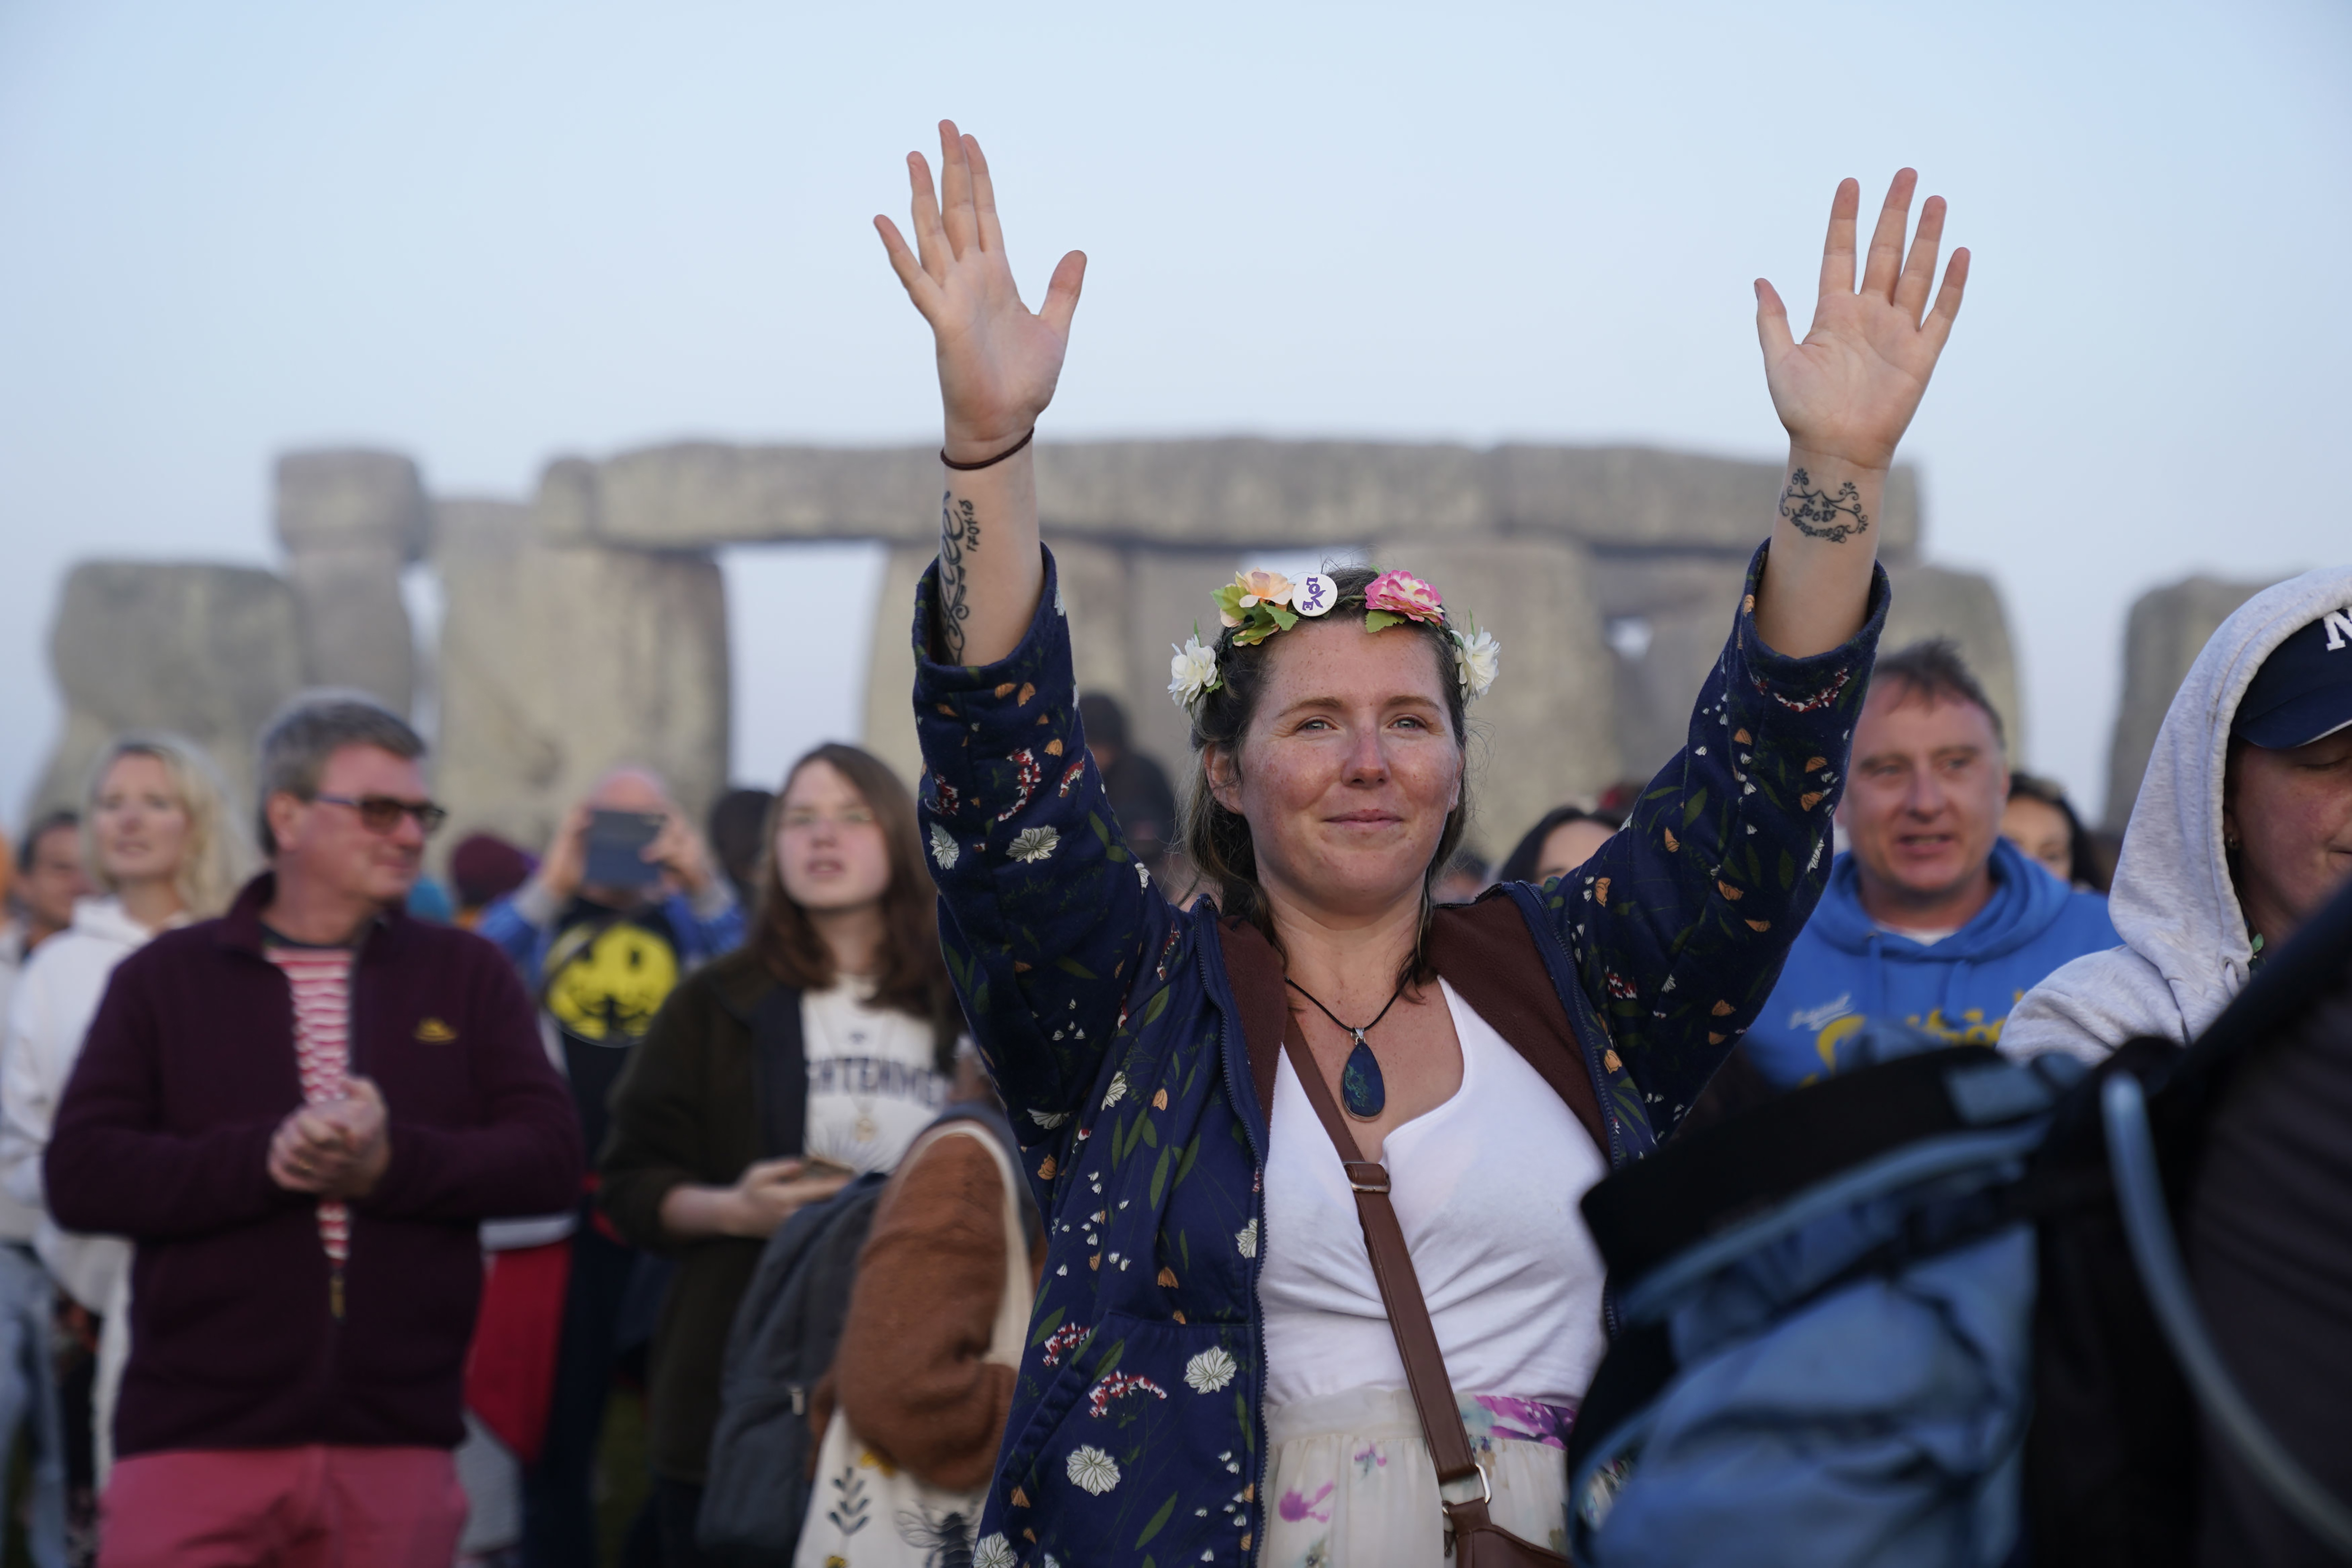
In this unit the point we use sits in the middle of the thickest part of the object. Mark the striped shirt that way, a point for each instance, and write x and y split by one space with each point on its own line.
321 981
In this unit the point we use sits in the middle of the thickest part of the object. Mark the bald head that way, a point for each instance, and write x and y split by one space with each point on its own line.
631 788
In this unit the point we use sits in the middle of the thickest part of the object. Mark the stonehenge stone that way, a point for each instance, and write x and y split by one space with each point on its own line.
559 662
2168 628
350 521
1665 619
587 627
890 664
1236 492
1545 732
1639 498
209 652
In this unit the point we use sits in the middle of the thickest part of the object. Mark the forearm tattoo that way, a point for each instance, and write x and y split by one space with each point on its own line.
1817 514
959 537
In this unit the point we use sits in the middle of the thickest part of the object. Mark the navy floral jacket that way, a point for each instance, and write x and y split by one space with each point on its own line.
1134 1044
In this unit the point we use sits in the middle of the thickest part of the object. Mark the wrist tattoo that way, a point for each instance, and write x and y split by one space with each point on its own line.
959 537
1817 514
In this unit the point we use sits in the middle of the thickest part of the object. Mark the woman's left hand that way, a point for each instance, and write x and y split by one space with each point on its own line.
1847 393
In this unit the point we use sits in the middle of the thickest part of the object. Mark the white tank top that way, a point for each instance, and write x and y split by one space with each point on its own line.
1486 1189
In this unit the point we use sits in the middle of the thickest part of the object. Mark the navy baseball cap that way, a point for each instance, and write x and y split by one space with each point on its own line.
2303 690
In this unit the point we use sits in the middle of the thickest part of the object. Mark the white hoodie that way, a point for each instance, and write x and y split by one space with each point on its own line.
2186 950
56 996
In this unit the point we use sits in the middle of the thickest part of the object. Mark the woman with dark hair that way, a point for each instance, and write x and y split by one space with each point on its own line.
1563 839
1216 1369
2040 821
814 1053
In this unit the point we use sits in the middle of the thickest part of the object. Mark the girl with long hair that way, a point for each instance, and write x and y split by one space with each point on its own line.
771 1077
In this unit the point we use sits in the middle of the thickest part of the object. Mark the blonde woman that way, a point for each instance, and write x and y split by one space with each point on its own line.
162 850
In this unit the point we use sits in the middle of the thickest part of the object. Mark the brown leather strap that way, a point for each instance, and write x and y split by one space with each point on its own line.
1416 1336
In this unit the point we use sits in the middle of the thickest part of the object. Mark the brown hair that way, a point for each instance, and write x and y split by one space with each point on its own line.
913 977
1217 841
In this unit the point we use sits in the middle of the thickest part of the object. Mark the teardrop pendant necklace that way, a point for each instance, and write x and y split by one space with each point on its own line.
1362 1090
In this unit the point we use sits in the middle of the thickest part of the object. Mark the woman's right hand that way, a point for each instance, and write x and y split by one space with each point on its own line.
998 361
771 1192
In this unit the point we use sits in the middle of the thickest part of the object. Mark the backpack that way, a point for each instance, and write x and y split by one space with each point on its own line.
785 1330
1925 1312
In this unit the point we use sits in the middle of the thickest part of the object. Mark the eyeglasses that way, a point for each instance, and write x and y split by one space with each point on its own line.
381 812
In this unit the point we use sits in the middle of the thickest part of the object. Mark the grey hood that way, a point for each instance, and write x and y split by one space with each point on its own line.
2186 950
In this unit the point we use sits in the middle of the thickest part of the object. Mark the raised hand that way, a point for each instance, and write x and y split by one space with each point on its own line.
1847 393
998 361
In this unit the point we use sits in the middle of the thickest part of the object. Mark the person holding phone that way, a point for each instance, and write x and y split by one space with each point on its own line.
627 903
818 1052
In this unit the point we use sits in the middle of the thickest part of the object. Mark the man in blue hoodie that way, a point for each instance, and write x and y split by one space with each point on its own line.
1932 919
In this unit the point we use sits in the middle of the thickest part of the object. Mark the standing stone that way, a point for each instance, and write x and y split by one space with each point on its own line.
2168 628
890 663
208 652
1665 619
350 521
1094 595
1545 733
561 662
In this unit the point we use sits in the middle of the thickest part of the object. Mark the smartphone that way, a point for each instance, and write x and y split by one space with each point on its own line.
616 847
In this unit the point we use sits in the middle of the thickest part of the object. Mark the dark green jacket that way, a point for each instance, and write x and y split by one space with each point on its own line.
686 1108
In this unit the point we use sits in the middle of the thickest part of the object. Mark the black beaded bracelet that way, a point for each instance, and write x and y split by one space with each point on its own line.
988 462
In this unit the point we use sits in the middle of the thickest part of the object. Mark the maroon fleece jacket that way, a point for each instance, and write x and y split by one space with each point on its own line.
163 1136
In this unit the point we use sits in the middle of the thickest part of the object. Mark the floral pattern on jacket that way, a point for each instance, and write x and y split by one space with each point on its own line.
1107 1018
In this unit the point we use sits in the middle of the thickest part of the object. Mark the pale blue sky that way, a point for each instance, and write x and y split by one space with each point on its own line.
486 234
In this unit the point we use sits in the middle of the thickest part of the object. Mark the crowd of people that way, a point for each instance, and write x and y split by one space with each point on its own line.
1053 1163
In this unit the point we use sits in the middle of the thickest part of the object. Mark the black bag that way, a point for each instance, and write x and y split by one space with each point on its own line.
1734 1251
783 1339
2124 1364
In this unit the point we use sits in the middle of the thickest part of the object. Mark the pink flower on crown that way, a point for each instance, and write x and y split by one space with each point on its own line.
1402 593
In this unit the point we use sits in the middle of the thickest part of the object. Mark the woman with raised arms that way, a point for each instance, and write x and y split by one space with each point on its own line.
1211 1373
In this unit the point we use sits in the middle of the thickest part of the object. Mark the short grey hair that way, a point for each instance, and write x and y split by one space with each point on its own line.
310 729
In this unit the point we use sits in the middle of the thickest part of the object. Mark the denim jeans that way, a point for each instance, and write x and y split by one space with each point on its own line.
28 1398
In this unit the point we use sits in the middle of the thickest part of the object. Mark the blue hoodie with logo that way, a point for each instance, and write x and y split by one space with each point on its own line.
1843 970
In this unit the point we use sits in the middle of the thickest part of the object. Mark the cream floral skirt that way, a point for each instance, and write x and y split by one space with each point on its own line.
1352 1484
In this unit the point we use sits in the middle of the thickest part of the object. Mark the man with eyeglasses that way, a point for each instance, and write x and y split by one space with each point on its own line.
302 1112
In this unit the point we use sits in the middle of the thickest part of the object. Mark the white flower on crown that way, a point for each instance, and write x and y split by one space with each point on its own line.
1192 673
1477 658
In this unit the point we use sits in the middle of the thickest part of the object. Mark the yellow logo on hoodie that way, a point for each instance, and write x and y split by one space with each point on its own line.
433 1032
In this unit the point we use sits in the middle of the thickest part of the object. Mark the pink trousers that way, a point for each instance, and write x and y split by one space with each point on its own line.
312 1507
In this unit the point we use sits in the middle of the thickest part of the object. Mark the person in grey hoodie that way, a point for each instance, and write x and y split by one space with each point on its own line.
2243 830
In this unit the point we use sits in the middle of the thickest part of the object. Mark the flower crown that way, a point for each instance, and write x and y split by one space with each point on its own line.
1257 605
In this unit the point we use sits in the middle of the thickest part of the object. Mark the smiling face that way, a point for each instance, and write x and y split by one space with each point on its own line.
1347 770
1923 804
2290 815
139 822
831 855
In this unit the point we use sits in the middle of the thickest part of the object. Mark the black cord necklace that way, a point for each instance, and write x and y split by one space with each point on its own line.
1361 1089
